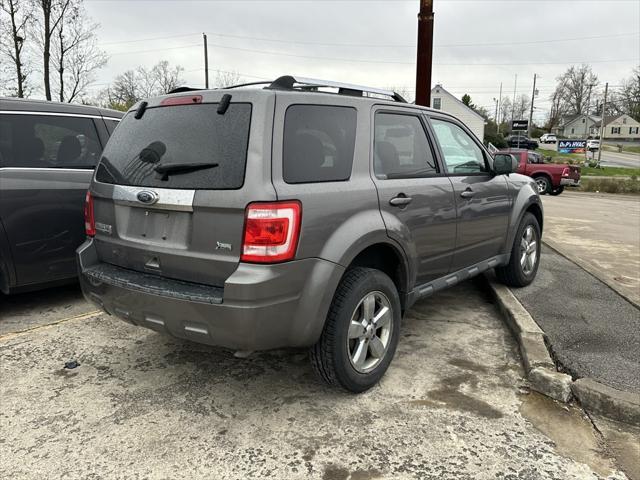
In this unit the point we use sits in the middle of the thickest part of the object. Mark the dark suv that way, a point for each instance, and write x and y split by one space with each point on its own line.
48 152
284 216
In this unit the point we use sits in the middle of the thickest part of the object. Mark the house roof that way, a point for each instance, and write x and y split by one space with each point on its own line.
459 101
610 118
572 118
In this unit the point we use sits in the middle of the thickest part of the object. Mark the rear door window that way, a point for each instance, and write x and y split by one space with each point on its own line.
401 148
319 142
183 146
48 141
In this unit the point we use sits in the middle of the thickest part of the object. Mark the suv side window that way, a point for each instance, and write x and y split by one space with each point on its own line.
319 141
111 124
48 141
462 155
401 148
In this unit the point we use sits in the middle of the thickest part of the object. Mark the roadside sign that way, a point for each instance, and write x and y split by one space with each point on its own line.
519 125
572 146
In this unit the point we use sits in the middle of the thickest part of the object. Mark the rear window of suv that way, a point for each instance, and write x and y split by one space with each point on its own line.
319 141
179 137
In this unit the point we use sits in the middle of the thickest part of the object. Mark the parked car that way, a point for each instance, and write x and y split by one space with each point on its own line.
550 178
520 141
276 217
548 138
593 145
47 155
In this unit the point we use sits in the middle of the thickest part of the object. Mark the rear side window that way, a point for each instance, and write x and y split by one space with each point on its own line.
401 148
183 146
319 142
48 141
111 124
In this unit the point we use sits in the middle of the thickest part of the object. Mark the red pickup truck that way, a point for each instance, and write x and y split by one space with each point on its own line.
550 177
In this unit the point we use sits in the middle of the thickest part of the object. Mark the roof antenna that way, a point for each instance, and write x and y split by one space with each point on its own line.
224 104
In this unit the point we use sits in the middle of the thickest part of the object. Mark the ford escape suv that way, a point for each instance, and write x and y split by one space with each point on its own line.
285 216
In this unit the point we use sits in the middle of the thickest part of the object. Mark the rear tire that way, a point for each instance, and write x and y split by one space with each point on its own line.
544 184
525 259
557 191
349 354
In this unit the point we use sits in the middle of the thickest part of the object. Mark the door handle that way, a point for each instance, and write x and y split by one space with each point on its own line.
400 201
468 193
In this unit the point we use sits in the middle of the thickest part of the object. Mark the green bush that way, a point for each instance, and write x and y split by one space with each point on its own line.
497 140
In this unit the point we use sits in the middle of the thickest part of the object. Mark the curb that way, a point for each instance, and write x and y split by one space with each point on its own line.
589 269
541 370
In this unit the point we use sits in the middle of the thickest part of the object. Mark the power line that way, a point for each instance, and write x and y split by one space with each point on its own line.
372 45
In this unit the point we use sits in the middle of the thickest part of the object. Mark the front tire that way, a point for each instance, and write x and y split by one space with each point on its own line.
361 332
525 254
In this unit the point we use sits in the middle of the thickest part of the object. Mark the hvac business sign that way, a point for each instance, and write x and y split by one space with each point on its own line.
572 146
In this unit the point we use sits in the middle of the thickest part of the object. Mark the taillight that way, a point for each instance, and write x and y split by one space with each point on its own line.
89 219
565 172
271 232
181 100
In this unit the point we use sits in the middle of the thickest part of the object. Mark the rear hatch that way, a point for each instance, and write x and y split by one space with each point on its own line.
171 188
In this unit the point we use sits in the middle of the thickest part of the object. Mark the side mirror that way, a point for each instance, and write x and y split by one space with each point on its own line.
504 164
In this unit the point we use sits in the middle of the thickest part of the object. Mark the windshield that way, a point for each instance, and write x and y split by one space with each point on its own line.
150 151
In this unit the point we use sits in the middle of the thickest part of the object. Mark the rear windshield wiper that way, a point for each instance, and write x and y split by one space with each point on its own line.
176 168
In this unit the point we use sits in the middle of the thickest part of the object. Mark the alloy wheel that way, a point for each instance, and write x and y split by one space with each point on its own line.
528 250
370 332
543 184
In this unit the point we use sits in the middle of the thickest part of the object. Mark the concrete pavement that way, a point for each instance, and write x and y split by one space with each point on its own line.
454 405
599 231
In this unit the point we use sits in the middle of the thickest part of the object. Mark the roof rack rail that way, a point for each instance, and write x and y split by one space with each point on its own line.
288 82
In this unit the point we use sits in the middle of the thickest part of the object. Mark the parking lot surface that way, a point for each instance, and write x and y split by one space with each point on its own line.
601 232
453 405
593 331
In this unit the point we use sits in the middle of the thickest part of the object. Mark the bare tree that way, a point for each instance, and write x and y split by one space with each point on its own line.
577 84
627 99
521 107
16 18
75 55
226 79
558 107
132 86
505 109
52 13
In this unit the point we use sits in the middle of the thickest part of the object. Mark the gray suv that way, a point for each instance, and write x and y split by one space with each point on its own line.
289 216
48 151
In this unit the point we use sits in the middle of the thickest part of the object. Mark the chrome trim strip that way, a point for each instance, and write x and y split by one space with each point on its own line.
55 114
168 198
45 169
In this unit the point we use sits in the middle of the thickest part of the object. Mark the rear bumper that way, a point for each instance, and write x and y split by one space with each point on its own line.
260 307
570 182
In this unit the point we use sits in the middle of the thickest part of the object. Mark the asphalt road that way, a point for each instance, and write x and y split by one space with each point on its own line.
592 330
454 405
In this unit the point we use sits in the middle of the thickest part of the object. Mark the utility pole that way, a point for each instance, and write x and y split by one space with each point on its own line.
604 109
533 97
513 105
425 53
586 123
206 61
499 105
496 115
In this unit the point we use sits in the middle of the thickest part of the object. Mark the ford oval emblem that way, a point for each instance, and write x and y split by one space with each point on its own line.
147 197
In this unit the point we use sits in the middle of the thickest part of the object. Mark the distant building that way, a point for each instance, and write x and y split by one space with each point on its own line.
443 100
620 127
616 127
578 126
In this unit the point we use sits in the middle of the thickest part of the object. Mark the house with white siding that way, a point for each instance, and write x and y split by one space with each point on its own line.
620 127
443 100
578 126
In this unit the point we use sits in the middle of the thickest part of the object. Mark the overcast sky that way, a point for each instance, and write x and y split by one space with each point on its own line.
477 43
